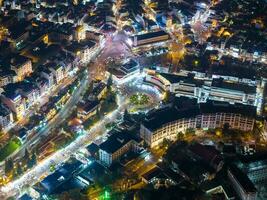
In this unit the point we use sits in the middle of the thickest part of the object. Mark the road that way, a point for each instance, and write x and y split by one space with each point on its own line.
57 120
42 169
32 176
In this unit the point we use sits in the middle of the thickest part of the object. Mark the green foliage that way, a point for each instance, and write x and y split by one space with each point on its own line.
139 99
9 148
19 169
166 142
190 131
110 125
8 166
126 115
180 135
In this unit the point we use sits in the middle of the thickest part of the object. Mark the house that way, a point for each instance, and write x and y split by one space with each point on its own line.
118 144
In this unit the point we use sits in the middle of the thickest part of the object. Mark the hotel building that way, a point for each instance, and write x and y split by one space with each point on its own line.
186 113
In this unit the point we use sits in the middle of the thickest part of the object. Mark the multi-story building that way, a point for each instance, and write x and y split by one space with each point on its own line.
232 92
242 184
128 69
20 96
42 84
57 70
49 76
88 109
22 66
205 89
255 168
6 75
84 51
15 102
182 85
6 116
30 93
116 146
187 113
150 38
99 90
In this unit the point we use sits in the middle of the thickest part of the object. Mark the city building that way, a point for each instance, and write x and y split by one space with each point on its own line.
15 102
6 116
255 168
116 146
242 184
232 92
158 178
191 166
22 66
205 88
99 90
48 75
186 113
150 38
128 68
49 184
57 70
7 76
208 154
83 51
88 109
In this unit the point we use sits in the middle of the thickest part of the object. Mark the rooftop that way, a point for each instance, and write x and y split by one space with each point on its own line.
233 86
60 176
116 141
89 106
151 35
75 46
172 78
184 107
243 179
99 88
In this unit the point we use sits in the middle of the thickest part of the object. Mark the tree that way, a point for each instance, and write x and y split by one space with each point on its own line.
110 96
9 166
3 33
226 128
180 135
33 160
190 131
27 155
126 115
98 115
166 142
19 170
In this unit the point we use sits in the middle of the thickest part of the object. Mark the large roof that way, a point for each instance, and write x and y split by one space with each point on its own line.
116 141
151 35
243 179
184 107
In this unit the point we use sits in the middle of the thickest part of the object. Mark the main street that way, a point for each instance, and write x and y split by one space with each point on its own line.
57 120
42 169
32 176
35 174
